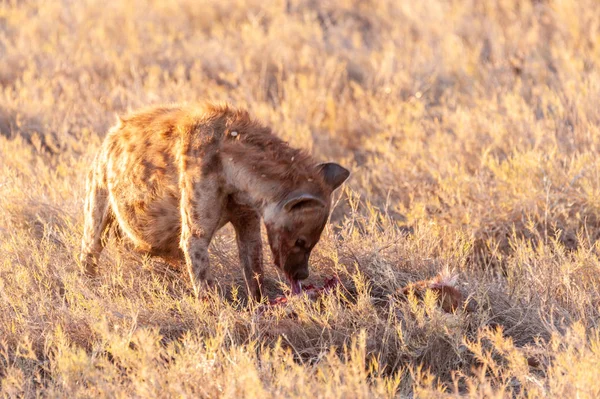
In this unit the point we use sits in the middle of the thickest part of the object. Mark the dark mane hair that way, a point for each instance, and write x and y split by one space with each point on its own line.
263 152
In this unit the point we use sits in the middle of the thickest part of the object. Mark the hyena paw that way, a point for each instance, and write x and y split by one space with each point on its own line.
203 288
89 264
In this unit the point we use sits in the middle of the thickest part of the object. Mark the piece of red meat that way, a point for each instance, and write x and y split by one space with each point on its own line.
311 291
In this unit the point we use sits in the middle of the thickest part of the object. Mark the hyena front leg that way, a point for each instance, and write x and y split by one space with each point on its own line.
201 208
246 223
97 219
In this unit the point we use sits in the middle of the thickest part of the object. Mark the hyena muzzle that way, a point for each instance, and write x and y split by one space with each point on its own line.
169 177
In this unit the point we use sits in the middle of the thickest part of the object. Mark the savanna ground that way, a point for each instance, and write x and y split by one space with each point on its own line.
471 128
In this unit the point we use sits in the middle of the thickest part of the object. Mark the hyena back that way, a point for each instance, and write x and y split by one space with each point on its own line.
171 176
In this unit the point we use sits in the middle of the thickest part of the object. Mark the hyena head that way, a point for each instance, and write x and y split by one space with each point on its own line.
294 224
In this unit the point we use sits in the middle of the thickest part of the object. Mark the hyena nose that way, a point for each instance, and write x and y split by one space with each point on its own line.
301 274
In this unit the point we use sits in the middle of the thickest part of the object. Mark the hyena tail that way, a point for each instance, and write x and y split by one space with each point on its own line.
98 219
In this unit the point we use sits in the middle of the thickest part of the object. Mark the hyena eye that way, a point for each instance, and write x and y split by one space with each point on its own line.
300 243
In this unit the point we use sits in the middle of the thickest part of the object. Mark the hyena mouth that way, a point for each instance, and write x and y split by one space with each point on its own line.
295 285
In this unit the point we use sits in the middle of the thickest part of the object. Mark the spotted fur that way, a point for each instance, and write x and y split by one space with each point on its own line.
171 176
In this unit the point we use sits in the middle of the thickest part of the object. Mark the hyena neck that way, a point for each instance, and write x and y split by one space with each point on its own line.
252 189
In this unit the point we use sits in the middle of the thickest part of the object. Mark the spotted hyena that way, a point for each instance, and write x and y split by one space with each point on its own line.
171 176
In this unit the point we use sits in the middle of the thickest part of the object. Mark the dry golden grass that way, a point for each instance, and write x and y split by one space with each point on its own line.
471 127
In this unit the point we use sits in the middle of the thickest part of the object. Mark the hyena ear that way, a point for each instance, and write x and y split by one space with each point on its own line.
302 201
333 174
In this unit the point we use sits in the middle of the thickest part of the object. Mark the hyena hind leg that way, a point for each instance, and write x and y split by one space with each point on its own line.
98 218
